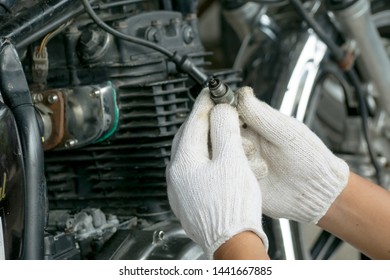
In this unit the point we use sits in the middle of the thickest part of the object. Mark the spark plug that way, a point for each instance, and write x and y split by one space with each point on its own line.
221 93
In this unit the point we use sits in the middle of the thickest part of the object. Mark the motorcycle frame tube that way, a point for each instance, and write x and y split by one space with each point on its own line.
302 80
294 101
356 22
241 19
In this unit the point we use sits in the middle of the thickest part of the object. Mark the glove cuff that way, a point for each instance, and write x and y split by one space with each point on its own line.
324 191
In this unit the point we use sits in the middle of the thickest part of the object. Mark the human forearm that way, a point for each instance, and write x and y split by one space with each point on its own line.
360 216
243 246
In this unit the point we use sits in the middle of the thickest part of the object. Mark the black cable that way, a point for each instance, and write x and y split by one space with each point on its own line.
334 70
183 63
132 39
22 42
334 245
336 51
6 8
339 56
319 244
353 77
322 244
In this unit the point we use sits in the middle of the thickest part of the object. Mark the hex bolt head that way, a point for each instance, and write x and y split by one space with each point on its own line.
89 39
158 236
153 35
188 34
95 93
52 98
70 143
37 97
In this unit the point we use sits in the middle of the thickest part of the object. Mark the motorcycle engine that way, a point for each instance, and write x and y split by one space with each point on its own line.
109 110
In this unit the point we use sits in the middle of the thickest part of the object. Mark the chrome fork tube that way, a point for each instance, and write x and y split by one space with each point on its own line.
356 21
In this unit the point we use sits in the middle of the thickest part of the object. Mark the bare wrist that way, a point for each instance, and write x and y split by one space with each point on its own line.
244 246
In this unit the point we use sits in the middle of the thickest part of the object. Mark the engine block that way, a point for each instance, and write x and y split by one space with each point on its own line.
124 175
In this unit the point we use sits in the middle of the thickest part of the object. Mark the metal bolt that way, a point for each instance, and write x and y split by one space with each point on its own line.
188 34
70 143
37 97
158 236
52 98
181 115
96 93
153 34
89 39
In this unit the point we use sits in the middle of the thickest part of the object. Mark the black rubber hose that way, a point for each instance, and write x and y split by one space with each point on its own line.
16 95
6 5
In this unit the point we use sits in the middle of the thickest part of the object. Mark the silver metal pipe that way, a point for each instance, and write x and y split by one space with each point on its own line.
241 19
303 78
358 25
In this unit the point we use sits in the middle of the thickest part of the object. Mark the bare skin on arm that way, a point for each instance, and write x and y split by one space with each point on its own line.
243 246
361 216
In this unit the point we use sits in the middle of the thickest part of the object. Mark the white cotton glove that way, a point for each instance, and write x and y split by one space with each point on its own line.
303 176
211 189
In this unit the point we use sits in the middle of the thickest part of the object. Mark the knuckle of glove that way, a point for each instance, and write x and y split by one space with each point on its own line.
244 93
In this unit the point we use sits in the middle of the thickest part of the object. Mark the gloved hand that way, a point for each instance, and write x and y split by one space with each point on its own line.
304 177
211 188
